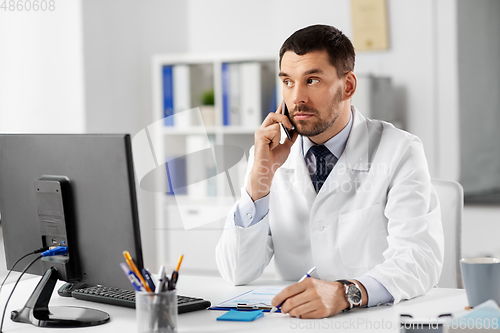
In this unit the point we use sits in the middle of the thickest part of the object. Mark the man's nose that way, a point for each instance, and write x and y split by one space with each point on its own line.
300 94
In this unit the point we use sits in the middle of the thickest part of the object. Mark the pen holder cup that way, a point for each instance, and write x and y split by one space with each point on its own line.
156 312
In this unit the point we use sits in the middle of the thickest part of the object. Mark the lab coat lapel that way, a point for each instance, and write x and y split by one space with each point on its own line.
354 158
356 150
295 167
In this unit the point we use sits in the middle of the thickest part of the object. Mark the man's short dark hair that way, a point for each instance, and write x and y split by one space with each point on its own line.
322 37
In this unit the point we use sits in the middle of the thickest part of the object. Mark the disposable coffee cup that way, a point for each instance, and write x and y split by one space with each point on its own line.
481 279
156 313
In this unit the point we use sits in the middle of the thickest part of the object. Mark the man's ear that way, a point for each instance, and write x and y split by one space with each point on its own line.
350 84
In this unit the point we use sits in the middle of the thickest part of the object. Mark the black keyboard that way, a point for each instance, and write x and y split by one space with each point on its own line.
126 298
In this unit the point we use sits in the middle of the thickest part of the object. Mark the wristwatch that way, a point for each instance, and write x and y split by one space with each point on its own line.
352 294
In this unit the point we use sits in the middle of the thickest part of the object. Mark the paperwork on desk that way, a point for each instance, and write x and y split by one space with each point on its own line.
484 317
257 299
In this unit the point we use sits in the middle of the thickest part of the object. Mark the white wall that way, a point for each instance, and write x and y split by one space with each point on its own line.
120 39
257 27
445 75
480 231
409 62
41 70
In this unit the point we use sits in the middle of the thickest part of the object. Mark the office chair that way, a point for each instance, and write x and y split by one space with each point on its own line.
451 198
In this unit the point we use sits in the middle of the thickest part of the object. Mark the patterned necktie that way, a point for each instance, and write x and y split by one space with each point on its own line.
321 173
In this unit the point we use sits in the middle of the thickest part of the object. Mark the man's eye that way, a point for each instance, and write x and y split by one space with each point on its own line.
312 81
287 83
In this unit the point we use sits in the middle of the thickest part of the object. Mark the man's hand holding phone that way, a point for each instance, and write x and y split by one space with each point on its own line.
269 153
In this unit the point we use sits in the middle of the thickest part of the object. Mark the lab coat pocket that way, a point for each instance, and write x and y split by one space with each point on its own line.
362 237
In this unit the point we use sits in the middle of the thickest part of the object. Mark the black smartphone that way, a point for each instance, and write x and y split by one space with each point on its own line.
284 110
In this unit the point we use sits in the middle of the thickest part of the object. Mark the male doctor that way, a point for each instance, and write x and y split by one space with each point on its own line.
348 195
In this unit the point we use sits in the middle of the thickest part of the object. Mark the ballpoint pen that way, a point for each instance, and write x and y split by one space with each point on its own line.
133 267
308 274
175 275
254 307
162 280
156 317
134 280
149 279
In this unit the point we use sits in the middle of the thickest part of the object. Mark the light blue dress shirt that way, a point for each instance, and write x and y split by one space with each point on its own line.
249 212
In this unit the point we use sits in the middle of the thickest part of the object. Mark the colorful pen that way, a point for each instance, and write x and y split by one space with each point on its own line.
134 280
175 275
308 274
149 279
133 268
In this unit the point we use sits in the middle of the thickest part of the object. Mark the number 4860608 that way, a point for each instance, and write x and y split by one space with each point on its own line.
28 5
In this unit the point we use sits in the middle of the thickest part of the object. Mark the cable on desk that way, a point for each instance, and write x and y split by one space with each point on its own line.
42 249
60 250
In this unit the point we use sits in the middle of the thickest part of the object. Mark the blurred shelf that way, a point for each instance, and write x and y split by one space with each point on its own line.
208 130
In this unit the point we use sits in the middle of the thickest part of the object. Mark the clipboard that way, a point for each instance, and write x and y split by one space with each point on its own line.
256 299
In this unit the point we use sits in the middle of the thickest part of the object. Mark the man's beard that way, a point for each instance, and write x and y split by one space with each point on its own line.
320 125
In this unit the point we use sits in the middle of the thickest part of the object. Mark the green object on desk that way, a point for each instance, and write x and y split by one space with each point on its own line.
235 315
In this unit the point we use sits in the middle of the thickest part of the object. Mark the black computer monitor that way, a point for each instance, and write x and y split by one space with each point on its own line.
96 174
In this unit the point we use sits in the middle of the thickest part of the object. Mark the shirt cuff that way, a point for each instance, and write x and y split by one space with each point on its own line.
377 294
248 212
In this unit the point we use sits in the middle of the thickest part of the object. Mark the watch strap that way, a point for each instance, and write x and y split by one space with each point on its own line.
345 282
348 283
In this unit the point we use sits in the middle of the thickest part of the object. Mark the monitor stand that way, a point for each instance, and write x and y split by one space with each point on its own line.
37 312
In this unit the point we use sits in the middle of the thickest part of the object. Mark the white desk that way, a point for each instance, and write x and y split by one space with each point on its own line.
214 289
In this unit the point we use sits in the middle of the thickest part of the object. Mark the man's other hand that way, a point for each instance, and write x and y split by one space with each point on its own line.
313 298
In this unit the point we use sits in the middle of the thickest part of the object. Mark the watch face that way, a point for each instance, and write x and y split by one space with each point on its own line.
354 294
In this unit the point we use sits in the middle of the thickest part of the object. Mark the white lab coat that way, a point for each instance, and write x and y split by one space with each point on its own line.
376 215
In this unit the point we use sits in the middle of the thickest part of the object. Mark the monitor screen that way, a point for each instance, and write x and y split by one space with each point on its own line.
100 172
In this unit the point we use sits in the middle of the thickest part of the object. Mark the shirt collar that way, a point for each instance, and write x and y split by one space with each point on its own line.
335 145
